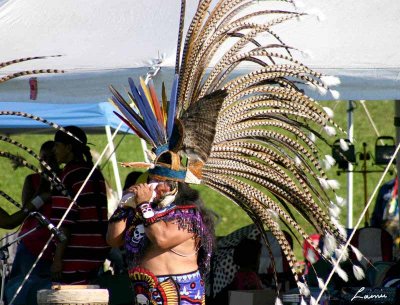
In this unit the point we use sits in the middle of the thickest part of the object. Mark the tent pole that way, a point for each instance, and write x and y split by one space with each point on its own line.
350 133
114 161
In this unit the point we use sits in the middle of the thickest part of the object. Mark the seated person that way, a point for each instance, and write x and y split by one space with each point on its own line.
247 256
35 192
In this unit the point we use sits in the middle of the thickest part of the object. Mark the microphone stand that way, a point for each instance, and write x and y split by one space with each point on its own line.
4 255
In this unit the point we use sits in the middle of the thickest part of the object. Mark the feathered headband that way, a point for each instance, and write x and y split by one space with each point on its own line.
157 123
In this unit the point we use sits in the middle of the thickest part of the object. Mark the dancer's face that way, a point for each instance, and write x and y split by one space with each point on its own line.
161 188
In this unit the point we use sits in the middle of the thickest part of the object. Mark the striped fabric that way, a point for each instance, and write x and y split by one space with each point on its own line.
87 221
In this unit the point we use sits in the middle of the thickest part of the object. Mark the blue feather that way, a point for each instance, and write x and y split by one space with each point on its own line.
123 103
129 113
152 117
172 107
133 121
138 99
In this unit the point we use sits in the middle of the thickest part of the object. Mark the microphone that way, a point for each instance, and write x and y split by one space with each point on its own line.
45 222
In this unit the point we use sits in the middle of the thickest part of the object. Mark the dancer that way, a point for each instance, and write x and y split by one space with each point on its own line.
168 237
243 133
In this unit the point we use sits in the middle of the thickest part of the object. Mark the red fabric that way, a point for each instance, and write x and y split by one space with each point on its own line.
310 255
36 240
309 250
33 88
395 188
246 280
59 205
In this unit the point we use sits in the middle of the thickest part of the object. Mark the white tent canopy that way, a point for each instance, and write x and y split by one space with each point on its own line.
358 41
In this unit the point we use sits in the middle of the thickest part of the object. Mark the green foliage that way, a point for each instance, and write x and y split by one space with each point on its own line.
231 217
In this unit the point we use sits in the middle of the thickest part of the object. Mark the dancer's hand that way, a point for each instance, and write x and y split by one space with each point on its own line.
143 192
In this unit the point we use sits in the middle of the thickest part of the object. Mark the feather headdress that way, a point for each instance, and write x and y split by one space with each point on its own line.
243 134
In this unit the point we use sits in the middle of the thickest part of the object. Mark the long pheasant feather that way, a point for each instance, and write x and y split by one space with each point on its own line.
10 199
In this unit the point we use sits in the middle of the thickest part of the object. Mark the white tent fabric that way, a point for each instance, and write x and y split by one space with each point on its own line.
358 41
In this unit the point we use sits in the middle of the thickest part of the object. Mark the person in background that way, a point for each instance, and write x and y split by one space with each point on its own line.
35 196
30 190
385 194
168 236
386 211
79 258
246 255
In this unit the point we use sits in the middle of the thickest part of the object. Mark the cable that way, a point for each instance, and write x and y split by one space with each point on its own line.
10 234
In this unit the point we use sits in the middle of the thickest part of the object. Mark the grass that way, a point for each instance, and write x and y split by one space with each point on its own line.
231 216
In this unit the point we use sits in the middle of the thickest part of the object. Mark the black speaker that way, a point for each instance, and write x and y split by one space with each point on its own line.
342 157
383 153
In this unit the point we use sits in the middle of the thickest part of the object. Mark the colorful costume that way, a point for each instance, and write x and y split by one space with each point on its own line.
183 289
188 288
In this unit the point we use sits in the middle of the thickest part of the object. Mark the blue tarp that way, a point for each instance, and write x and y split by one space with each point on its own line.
88 116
